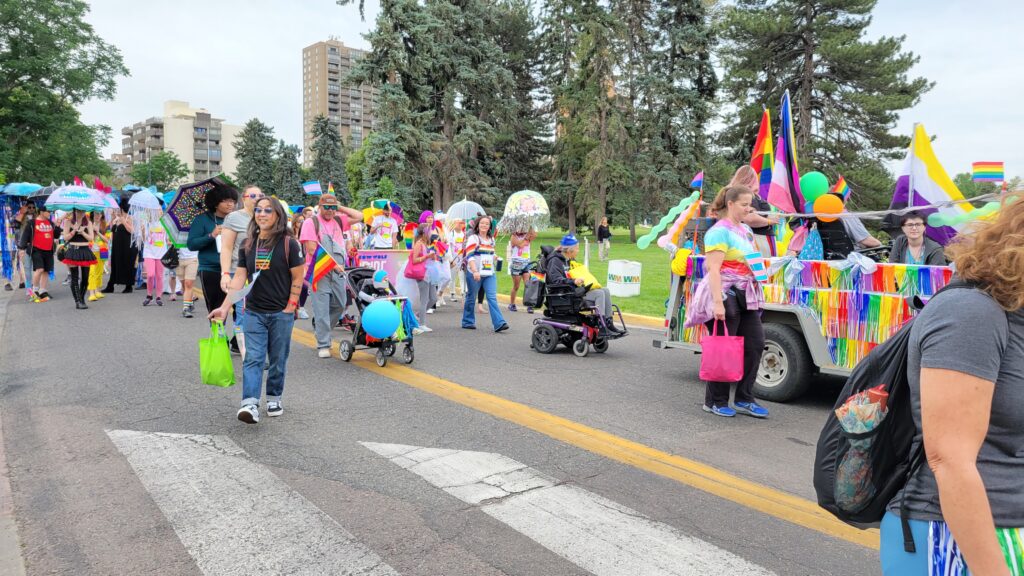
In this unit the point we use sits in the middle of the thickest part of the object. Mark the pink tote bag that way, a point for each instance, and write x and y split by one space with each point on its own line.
721 358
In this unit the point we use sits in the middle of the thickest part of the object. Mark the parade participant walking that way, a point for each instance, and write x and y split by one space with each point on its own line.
520 242
384 230
273 265
328 299
101 250
40 246
203 238
556 274
416 270
232 236
187 272
480 274
21 223
78 233
122 254
429 239
913 247
604 240
153 249
965 371
456 244
730 293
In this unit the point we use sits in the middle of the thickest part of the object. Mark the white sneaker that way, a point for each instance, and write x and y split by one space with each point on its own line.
430 310
442 302
303 315
418 330
249 414
274 409
427 328
323 353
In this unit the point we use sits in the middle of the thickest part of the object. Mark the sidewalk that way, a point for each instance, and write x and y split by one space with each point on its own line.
11 562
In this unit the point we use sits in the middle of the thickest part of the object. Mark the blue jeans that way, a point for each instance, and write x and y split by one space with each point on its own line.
490 284
266 335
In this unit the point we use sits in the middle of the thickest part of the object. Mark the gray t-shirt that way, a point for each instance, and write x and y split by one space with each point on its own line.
239 222
854 227
966 331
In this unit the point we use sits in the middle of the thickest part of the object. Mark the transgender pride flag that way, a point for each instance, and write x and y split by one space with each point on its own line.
923 182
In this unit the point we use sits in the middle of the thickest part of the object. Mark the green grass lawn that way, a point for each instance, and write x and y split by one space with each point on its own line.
654 276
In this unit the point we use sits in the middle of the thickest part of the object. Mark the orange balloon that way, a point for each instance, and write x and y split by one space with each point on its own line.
828 204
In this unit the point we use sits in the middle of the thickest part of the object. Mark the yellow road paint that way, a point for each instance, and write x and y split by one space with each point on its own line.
703 477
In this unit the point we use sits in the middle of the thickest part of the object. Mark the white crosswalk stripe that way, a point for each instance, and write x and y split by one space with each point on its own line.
235 516
599 535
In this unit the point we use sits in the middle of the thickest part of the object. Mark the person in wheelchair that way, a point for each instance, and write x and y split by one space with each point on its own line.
556 276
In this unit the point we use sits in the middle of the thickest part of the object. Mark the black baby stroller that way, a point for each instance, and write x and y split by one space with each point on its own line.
568 319
357 279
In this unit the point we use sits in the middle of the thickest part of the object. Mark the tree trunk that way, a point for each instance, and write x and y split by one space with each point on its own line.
602 187
807 79
571 200
632 228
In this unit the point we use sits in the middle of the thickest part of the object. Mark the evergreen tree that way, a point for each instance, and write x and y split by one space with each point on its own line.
329 158
847 91
287 175
254 150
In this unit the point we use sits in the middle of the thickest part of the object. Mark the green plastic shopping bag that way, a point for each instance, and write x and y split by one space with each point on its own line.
215 365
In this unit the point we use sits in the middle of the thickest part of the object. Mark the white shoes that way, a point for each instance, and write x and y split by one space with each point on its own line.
421 330
303 315
430 310
323 353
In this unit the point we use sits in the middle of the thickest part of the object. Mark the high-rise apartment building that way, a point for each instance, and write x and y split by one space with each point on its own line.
204 143
324 92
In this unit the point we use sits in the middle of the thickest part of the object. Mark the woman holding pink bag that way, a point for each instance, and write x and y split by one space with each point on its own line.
729 299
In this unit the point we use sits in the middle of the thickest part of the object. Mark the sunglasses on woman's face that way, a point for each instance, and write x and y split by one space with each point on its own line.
254 195
267 211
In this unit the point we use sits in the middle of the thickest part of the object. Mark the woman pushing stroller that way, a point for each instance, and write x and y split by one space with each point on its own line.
556 266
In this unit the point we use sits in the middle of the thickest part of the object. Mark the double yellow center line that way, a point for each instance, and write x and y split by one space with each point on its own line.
706 478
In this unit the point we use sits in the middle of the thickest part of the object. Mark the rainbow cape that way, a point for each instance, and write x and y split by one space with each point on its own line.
761 161
320 266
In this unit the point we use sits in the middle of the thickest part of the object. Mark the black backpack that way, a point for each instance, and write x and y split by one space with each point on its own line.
857 475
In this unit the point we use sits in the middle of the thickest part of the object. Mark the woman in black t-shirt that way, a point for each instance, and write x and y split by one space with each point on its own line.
274 268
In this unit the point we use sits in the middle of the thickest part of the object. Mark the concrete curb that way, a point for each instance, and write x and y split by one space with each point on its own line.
631 319
11 561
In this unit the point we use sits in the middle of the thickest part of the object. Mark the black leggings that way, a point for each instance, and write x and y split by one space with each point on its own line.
79 282
212 293
747 324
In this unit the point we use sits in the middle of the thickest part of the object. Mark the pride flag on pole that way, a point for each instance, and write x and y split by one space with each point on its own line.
698 180
312 188
330 188
923 182
761 161
987 172
320 266
841 188
784 190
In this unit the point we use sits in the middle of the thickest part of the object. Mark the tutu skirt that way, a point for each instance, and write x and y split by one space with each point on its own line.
79 256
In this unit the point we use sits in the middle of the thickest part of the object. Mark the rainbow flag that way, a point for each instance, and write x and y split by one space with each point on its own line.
330 188
320 266
841 188
784 191
698 180
761 161
931 185
987 172
537 276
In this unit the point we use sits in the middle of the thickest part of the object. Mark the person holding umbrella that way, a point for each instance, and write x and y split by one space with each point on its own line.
79 257
204 238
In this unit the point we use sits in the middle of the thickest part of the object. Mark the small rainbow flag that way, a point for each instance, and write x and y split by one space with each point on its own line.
330 188
537 276
987 172
842 188
320 266
698 180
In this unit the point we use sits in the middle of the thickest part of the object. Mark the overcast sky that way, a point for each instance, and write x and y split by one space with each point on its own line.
242 59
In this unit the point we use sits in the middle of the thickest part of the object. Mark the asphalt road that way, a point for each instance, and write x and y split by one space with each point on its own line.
122 462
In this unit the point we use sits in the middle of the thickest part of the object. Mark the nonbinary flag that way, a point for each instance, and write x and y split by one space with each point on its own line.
698 180
320 266
987 172
762 159
312 188
923 183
